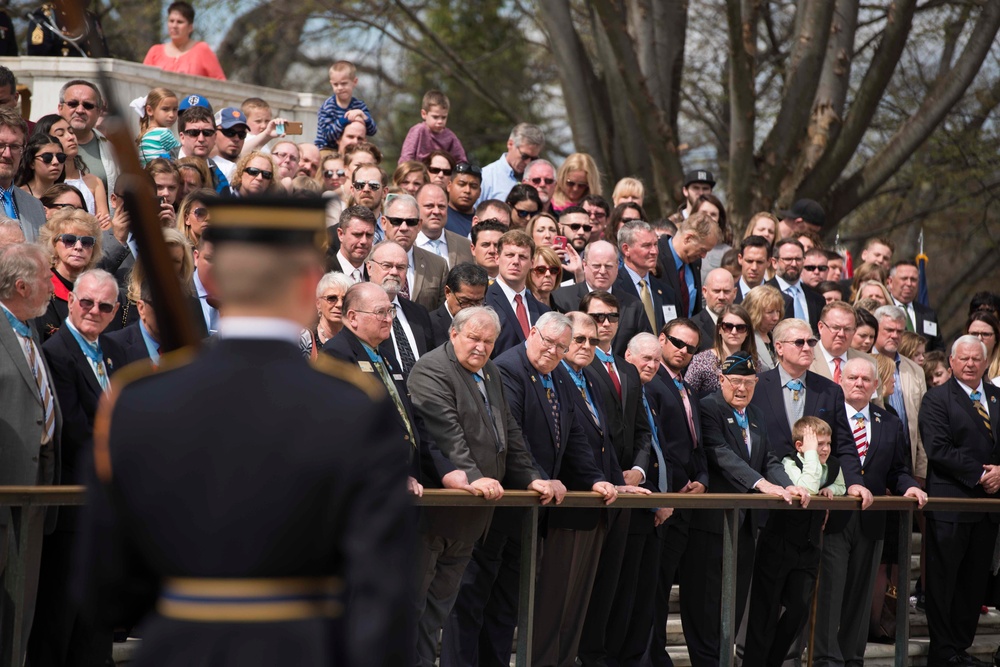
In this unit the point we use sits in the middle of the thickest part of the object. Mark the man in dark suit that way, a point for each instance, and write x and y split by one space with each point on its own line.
141 340
30 420
754 258
718 291
740 460
600 272
459 393
81 360
16 203
960 429
903 284
411 334
517 309
465 288
680 260
637 243
852 542
355 235
480 630
629 431
800 301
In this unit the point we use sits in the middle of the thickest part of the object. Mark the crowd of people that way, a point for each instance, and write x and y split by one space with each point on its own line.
531 333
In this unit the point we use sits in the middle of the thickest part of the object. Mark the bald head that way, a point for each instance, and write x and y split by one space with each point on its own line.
600 265
719 290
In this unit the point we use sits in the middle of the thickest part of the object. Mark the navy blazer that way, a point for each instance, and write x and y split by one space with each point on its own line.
441 325
685 460
420 324
631 316
814 302
669 276
131 343
510 328
661 294
958 445
824 399
629 430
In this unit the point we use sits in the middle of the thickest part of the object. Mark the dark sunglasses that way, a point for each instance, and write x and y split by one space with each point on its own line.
71 239
73 206
201 212
576 226
729 326
542 270
580 340
799 342
524 215
105 308
575 184
812 267
48 157
466 168
409 222
330 173
72 104
440 170
332 299
374 186
539 181
255 172
242 134
681 345
194 134
605 317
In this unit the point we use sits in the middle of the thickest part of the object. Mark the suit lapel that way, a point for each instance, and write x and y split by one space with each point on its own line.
12 343
994 410
543 401
76 354
970 409
772 391
878 433
495 297
418 273
623 378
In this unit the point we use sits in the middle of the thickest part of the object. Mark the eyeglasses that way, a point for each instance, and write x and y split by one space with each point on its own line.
681 345
576 226
439 170
330 173
48 157
72 104
374 186
231 132
837 330
468 303
742 382
61 206
601 267
255 172
201 213
550 344
331 299
799 342
542 270
194 134
575 184
539 181
409 222
286 156
71 239
389 266
105 308
466 168
733 326
812 267
982 334
580 340
527 157
601 318
14 148
389 314
597 214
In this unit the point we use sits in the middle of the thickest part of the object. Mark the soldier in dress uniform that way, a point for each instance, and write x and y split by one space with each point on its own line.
50 34
251 505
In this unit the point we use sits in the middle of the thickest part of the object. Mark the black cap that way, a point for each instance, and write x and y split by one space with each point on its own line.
283 221
739 363
807 209
699 176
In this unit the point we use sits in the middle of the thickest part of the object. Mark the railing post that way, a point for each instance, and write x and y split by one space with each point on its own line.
903 589
730 551
526 600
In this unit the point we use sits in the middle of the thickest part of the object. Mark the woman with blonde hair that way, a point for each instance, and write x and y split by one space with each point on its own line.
410 176
255 175
577 177
867 271
545 274
193 216
73 237
628 189
875 290
762 224
766 306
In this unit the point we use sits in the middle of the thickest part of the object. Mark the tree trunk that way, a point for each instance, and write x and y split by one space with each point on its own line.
742 16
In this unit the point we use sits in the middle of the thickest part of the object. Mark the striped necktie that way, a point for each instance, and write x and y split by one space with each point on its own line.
860 436
44 390
975 396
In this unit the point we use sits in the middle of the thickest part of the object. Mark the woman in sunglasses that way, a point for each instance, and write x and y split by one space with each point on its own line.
524 203
192 216
330 293
75 170
255 174
577 177
733 333
440 166
546 271
60 196
332 172
42 165
73 237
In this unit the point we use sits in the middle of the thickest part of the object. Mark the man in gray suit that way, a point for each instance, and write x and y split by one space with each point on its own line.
30 423
458 392
17 203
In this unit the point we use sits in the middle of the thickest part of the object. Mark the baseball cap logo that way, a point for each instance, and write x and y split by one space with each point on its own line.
193 100
236 113
702 175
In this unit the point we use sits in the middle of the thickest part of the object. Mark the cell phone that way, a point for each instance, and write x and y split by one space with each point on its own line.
559 243
293 128
163 200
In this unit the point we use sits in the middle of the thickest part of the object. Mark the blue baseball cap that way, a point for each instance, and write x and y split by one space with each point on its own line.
230 117
193 101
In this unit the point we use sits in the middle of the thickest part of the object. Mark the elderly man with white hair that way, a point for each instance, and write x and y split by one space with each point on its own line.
960 427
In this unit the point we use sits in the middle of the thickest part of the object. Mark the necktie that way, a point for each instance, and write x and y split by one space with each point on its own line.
975 396
522 314
8 203
553 399
391 388
798 404
687 409
44 391
661 481
94 355
836 370
403 346
356 276
909 320
793 291
480 384
898 403
647 303
608 361
581 384
860 436
404 289
683 289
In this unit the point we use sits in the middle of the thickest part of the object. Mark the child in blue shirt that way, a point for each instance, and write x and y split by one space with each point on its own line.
342 107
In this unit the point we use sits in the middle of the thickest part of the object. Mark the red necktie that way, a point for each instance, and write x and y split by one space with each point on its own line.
836 370
685 301
614 379
522 314
860 435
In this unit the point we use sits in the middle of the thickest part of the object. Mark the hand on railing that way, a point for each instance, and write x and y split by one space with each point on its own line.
606 489
662 515
859 491
414 487
489 488
917 494
991 478
631 488
799 492
550 489
693 487
770 489
458 480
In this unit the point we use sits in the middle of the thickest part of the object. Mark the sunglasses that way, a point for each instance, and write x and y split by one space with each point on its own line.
105 308
731 326
255 172
580 340
242 134
332 299
576 226
542 270
330 173
605 317
681 345
409 222
194 134
440 170
575 184
466 168
800 342
71 239
61 206
524 215
539 181
812 267
48 157
374 186
72 104
201 213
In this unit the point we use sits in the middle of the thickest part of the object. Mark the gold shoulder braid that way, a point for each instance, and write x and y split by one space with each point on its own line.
349 373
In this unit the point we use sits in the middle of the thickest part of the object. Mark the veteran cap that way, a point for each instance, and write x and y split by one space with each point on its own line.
739 363
283 221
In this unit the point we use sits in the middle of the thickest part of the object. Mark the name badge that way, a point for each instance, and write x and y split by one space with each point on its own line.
397 376
930 328
366 366
669 313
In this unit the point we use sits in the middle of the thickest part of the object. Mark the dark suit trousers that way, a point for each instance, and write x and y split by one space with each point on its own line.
846 582
958 566
442 563
565 581
784 575
673 543
632 611
701 590
593 646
